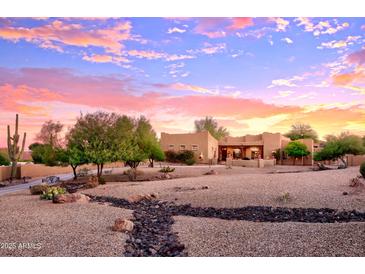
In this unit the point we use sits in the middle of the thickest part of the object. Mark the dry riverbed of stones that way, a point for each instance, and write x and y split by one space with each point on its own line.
150 230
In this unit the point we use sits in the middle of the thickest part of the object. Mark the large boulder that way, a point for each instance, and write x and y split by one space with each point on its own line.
38 189
70 198
122 225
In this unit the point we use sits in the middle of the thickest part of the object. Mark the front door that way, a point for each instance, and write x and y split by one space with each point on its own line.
224 154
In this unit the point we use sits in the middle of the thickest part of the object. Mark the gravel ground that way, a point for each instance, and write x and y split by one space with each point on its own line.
213 237
60 229
239 187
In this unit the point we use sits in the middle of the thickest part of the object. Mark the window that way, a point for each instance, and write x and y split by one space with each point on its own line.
182 147
194 147
171 147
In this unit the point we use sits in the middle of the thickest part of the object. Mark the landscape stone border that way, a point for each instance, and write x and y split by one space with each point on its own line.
152 234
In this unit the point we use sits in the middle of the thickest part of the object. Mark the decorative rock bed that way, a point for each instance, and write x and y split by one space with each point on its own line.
152 234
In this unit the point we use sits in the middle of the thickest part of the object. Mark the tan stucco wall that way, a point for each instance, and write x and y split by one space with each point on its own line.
355 160
206 143
4 172
39 170
272 142
260 163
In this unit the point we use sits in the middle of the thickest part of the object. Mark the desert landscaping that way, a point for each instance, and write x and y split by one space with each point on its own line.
231 212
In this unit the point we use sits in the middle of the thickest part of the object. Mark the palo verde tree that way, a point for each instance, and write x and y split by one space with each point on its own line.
95 135
148 142
337 147
302 131
14 152
296 149
211 125
139 143
72 155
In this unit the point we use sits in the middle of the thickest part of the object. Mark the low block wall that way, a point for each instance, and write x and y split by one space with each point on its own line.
39 170
355 160
4 172
260 163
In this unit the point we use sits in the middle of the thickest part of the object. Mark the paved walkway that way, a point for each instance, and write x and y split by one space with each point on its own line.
15 188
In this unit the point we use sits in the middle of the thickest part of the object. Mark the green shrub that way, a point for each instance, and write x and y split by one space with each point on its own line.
184 156
38 189
362 170
52 192
167 169
171 156
190 162
4 161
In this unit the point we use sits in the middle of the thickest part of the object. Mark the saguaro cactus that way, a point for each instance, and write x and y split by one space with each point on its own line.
13 148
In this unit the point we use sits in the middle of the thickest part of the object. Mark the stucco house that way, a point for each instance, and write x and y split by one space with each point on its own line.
249 147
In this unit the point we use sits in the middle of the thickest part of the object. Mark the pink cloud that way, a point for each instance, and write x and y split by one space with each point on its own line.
357 57
219 106
218 27
240 23
58 34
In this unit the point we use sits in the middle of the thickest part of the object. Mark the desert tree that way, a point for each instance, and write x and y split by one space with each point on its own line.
50 133
296 149
148 142
337 147
211 125
301 131
95 135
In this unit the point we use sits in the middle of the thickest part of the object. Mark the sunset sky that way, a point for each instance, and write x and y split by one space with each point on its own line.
251 74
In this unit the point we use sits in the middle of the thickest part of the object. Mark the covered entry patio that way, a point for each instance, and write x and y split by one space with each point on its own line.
241 152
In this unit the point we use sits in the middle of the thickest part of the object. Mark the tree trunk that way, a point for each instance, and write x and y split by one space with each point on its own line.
98 169
74 171
151 162
101 170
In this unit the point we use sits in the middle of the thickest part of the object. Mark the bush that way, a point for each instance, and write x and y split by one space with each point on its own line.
129 171
38 189
186 157
52 192
43 154
171 156
362 170
167 169
190 162
4 161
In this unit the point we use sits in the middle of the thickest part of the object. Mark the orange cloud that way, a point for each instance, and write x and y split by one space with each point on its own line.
17 99
104 58
348 78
